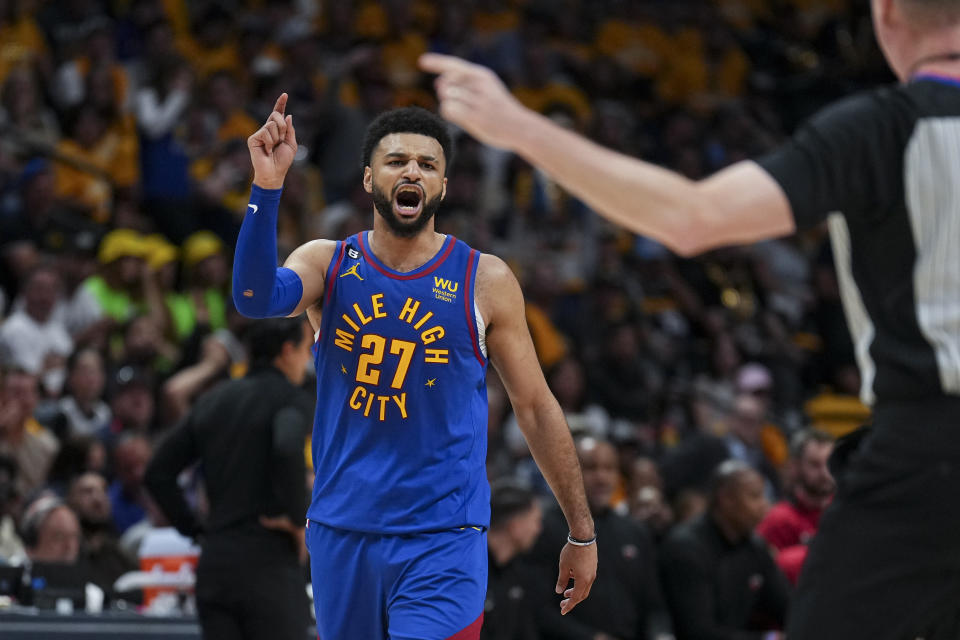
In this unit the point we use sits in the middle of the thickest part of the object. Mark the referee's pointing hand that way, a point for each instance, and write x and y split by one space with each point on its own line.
273 147
474 98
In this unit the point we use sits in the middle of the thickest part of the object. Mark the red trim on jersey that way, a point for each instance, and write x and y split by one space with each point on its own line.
451 241
471 632
327 289
471 320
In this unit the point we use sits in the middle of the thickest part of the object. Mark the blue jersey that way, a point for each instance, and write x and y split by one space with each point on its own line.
400 435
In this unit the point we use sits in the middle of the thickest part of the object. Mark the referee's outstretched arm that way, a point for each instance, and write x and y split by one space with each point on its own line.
740 204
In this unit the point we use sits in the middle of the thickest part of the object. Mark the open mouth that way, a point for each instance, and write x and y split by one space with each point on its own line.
408 200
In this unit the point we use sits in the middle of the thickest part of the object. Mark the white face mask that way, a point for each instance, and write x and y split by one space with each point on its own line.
53 381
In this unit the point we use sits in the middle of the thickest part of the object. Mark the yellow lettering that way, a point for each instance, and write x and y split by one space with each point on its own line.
350 322
365 371
362 318
432 334
442 283
423 320
409 309
405 350
366 410
441 356
401 401
344 340
377 301
383 400
354 403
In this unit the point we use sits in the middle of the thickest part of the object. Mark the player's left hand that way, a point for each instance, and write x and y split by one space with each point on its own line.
474 98
580 564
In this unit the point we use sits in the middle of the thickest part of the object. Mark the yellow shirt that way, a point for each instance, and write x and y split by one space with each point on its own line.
21 43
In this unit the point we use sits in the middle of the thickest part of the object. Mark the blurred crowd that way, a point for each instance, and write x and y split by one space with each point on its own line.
124 176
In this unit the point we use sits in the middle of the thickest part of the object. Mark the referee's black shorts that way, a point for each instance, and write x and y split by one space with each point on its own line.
885 563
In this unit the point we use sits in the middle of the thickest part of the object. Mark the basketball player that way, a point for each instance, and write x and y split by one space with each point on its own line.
407 320
882 167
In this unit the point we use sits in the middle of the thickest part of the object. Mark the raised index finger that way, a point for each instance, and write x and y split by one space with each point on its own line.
281 103
440 63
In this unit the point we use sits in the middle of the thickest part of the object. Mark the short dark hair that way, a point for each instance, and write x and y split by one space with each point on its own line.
508 499
728 472
265 338
800 440
407 120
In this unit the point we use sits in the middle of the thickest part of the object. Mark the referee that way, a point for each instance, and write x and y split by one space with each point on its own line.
248 436
882 169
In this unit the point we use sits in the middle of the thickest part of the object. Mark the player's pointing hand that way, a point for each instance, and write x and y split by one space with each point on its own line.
273 147
474 98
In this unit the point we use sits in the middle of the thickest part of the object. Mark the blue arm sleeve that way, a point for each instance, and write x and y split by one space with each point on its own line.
260 288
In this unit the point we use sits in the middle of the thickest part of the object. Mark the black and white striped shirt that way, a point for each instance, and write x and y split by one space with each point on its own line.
883 168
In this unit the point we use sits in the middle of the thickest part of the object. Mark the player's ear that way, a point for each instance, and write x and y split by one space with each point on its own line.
368 179
883 11
443 190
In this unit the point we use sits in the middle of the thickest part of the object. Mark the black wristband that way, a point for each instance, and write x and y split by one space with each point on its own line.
581 543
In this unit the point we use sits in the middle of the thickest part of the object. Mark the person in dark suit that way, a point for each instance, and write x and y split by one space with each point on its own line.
719 578
516 520
627 604
248 435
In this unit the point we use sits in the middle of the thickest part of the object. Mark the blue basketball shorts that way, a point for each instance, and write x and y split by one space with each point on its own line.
424 586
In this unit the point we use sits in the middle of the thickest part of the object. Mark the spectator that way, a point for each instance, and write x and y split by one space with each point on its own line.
145 347
159 106
117 286
791 524
627 603
130 457
79 310
566 380
132 403
22 107
21 436
100 550
77 455
83 406
756 380
208 275
185 385
34 213
11 545
718 577
516 521
51 531
647 503
744 440
38 342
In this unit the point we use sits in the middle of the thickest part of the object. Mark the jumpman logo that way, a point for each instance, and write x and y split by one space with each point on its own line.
352 271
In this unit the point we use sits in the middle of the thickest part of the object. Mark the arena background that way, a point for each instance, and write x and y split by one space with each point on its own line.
124 176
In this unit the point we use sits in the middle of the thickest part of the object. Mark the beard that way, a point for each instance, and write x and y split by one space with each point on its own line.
399 227
817 490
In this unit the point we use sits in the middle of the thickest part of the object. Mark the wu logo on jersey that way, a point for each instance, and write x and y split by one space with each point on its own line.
444 289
